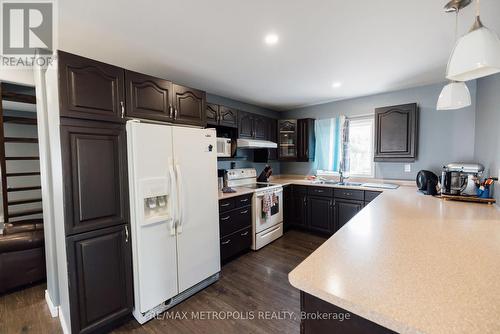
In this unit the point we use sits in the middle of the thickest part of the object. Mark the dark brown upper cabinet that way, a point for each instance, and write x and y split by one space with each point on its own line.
221 116
297 140
90 89
396 133
273 136
260 127
148 97
100 277
245 125
252 126
306 140
228 117
189 106
212 113
287 139
94 175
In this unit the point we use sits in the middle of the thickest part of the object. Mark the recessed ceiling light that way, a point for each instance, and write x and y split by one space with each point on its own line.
271 39
336 84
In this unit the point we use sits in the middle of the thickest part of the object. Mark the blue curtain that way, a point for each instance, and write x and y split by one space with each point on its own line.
329 144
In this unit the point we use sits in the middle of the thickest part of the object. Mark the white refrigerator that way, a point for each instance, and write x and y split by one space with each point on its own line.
174 214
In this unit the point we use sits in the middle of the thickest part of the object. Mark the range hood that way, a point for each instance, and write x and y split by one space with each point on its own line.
253 143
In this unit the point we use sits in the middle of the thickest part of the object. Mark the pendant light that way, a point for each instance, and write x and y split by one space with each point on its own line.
476 55
454 95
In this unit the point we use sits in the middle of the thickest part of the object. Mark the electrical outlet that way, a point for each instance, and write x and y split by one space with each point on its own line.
407 168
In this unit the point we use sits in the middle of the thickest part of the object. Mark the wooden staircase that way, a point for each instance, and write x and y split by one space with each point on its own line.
11 205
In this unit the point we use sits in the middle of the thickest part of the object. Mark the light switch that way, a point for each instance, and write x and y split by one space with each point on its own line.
407 168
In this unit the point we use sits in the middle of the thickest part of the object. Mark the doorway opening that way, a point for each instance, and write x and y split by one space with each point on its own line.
22 253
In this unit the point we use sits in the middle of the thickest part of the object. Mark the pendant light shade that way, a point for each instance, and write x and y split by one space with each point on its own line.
454 95
476 55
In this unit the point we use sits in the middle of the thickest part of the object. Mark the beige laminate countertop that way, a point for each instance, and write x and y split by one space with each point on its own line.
412 263
239 191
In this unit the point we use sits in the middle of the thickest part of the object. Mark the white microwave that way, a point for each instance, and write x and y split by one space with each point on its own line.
223 147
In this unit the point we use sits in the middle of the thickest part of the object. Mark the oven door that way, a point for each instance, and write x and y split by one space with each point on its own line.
263 222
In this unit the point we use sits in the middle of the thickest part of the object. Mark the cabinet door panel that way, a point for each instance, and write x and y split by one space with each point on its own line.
148 97
189 105
245 125
228 117
320 213
396 133
212 114
99 266
273 136
306 140
94 175
90 89
261 128
345 210
299 210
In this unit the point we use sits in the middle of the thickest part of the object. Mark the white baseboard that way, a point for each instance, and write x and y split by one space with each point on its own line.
63 322
54 310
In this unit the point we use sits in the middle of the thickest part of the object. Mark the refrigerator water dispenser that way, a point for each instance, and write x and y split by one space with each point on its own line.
156 197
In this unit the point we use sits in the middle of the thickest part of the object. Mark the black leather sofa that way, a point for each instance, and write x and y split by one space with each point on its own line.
22 255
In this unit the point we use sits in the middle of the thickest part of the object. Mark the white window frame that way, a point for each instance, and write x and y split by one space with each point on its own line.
370 118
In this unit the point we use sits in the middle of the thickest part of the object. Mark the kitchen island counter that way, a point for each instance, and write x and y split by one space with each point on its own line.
412 264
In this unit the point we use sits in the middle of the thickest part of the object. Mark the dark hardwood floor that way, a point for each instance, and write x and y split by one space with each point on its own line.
254 283
25 311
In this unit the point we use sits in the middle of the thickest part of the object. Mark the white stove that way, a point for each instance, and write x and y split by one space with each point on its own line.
266 227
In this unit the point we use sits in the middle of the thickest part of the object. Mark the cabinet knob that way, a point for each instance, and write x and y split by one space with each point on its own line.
244 212
226 242
225 218
170 111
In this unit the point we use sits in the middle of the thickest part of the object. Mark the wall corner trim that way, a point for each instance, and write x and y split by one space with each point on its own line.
54 310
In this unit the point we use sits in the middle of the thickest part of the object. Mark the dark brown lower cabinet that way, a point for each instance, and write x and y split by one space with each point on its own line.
323 209
345 210
235 226
100 278
320 213
334 320
299 206
287 206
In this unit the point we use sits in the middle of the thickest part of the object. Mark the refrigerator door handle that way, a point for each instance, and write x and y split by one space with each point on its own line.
173 199
179 198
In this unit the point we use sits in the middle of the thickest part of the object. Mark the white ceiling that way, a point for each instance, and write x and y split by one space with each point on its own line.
371 46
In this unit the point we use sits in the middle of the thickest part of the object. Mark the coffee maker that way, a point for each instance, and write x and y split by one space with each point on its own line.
459 179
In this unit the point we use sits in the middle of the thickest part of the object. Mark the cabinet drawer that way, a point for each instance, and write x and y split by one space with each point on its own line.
370 195
299 189
235 243
233 221
320 191
242 201
350 194
226 204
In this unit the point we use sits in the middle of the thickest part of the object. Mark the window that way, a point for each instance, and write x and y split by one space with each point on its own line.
360 147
